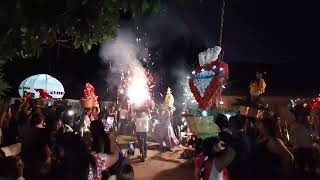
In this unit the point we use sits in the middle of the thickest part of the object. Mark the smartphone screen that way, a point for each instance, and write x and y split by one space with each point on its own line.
110 121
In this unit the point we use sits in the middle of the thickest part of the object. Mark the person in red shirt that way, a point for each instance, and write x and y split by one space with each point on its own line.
212 162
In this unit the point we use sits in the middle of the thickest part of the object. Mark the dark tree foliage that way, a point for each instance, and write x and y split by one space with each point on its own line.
27 27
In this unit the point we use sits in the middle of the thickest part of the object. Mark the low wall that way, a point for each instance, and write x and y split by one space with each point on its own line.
278 104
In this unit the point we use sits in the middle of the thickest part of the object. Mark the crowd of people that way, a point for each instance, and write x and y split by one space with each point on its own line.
250 148
51 143
157 124
48 143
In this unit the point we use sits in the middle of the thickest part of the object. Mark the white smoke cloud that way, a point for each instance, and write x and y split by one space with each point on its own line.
123 54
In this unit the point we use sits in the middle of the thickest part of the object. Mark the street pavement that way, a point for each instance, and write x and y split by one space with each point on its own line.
159 165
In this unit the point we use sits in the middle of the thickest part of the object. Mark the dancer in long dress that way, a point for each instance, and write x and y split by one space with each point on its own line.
163 132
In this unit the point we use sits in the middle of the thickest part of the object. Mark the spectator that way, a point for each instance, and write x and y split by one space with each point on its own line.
240 142
212 162
126 173
224 125
269 156
34 139
142 128
99 146
123 123
5 117
301 139
75 158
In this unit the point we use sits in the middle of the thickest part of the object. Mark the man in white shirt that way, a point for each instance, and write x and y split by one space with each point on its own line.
142 128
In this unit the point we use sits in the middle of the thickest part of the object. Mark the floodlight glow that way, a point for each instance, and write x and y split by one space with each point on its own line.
70 112
204 113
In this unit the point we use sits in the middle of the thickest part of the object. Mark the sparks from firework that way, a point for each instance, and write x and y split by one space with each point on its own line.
137 83
138 90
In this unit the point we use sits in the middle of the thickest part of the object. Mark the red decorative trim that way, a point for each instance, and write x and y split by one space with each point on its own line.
213 91
43 94
315 103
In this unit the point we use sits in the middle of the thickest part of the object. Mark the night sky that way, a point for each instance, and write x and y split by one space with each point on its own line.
279 37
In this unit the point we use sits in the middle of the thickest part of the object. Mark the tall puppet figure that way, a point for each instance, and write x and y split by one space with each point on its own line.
163 132
168 102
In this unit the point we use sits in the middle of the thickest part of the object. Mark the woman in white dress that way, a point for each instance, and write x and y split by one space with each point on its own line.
163 132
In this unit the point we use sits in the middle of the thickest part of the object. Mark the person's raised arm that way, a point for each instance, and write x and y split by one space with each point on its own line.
197 173
198 163
277 146
112 159
225 159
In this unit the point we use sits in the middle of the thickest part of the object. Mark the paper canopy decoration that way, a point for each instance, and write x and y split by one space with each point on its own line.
40 83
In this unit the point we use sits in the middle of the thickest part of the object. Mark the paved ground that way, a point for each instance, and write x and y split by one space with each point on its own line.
159 165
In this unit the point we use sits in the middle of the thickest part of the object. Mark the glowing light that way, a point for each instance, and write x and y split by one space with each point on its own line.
204 113
70 112
223 86
202 70
188 77
227 115
214 67
221 69
138 90
193 72
121 91
221 102
288 137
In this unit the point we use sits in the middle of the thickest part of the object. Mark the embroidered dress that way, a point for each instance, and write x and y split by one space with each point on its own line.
101 164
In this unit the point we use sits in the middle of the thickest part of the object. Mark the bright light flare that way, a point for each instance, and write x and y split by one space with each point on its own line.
138 90
70 112
204 113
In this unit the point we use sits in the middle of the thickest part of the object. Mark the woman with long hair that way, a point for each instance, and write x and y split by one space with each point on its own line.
212 162
75 158
270 156
102 149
